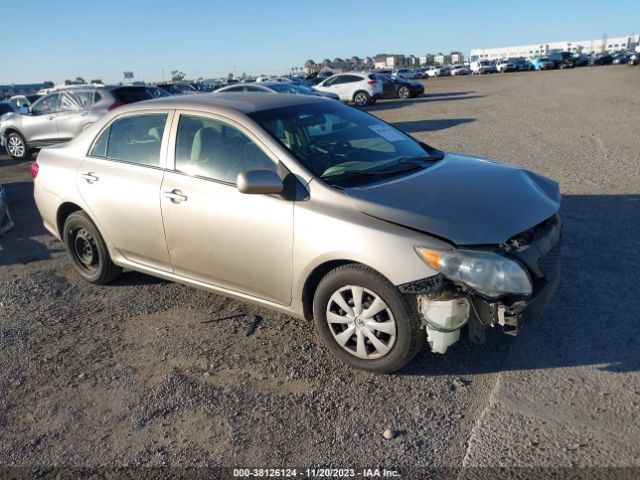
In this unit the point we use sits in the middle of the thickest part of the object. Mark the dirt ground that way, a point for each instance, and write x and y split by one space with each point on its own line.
145 372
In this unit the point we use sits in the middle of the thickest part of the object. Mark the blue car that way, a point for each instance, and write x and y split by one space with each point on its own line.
542 64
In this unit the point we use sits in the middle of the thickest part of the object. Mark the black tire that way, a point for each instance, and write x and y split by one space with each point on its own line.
404 92
361 98
408 340
16 147
87 251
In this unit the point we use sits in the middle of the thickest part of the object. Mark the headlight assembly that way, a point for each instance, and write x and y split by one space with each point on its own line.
486 272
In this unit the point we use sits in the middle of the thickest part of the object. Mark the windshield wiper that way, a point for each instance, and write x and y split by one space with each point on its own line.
373 173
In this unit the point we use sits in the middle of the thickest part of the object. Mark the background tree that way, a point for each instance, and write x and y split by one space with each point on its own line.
177 75
97 80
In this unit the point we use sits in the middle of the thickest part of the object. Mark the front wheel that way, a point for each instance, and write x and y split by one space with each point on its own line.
361 99
365 321
17 147
87 250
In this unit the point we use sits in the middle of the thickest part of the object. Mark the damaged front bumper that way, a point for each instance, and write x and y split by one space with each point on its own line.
446 307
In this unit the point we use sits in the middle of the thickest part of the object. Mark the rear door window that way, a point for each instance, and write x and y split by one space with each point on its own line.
133 139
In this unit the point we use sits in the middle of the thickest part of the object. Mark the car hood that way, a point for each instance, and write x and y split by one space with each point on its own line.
466 200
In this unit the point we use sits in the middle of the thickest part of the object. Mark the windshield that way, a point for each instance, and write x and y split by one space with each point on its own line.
336 141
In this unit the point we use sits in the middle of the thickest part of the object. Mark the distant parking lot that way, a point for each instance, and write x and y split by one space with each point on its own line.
146 372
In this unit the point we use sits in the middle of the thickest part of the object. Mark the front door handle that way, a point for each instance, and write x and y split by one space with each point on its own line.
50 117
89 177
175 196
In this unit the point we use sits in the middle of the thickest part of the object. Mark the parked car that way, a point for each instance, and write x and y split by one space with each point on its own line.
6 223
505 65
18 101
178 88
521 64
479 67
399 87
308 207
434 71
61 115
407 74
581 60
459 70
6 107
542 63
621 58
157 92
562 60
276 87
601 60
359 88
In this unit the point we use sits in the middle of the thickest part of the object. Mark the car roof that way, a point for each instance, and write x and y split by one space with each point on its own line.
246 102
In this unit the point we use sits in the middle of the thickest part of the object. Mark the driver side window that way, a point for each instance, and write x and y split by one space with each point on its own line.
215 150
46 105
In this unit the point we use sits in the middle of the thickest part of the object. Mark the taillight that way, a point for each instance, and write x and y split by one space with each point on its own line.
35 168
372 82
116 105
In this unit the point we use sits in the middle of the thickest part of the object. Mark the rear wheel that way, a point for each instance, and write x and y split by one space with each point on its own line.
365 321
87 250
404 92
17 147
361 98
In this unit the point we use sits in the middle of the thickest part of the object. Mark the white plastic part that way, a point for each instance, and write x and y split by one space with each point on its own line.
446 315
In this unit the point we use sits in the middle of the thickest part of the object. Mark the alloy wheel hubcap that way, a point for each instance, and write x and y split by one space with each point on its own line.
361 322
16 146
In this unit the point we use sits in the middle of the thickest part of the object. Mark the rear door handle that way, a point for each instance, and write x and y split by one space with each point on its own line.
51 117
175 196
89 177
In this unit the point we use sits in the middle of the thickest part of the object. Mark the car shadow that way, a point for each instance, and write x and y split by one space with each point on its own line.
21 244
417 126
593 319
427 98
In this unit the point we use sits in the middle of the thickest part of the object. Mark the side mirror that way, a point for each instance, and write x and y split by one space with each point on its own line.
24 110
259 182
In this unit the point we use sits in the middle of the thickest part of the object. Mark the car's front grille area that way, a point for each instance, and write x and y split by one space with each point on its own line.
549 263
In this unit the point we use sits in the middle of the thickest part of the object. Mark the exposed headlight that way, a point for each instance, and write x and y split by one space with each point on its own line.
486 272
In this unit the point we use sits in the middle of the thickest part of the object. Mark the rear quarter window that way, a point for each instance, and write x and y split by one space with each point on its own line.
132 139
132 95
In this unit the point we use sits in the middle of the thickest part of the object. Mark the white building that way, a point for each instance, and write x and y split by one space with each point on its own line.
457 57
600 45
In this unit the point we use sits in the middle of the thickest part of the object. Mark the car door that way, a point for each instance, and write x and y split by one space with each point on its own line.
389 87
119 181
330 84
73 113
215 234
346 87
39 126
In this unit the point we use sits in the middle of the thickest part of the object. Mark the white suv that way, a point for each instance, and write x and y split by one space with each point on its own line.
359 88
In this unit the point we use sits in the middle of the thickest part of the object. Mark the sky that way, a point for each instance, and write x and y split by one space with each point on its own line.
58 40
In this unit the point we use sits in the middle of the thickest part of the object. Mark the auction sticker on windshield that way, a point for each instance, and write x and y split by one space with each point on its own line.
387 133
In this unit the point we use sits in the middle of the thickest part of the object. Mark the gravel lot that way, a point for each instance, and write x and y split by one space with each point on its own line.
150 373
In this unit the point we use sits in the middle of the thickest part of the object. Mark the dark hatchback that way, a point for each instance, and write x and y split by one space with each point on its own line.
562 60
399 87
